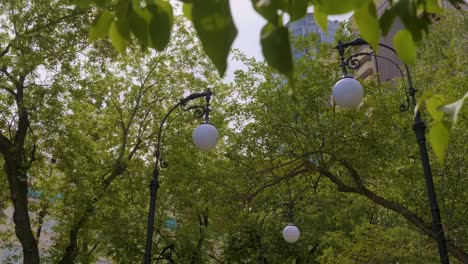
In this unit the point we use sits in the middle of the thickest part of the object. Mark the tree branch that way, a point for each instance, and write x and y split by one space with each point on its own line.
39 27
72 249
21 133
413 218
296 171
9 90
9 76
42 214
5 50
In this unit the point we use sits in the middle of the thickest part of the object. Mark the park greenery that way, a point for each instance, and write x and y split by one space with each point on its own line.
151 22
79 120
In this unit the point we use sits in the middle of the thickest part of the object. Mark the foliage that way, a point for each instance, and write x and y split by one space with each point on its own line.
303 149
83 120
212 19
92 116
38 40
371 243
447 52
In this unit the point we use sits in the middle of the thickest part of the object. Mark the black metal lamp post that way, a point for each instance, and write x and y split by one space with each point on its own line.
205 137
348 93
290 233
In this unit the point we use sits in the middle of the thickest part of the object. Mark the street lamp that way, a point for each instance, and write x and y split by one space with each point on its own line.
348 93
290 232
205 137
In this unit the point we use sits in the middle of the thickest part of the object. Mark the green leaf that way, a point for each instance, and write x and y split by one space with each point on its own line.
276 48
103 3
414 22
119 35
321 19
297 9
366 19
160 25
421 101
432 6
121 8
405 46
268 9
439 138
100 28
452 110
335 7
187 10
83 3
213 22
433 104
138 23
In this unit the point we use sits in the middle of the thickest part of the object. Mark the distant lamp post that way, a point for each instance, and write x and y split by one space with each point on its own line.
290 233
205 137
348 93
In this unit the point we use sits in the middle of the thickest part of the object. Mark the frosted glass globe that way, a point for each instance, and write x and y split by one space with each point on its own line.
348 92
291 233
205 137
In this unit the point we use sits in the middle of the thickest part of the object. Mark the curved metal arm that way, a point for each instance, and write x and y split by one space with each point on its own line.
352 63
262 248
199 112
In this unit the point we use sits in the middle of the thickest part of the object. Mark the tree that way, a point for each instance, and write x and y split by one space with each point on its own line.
82 133
75 118
305 148
33 39
151 23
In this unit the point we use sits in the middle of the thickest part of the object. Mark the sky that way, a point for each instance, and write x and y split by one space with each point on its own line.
249 24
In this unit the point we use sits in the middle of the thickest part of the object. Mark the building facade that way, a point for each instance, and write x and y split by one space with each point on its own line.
382 69
306 26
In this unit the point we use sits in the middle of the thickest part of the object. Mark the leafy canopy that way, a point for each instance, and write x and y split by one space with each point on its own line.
150 22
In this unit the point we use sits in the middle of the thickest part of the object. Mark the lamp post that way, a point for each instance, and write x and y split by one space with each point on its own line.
205 137
290 232
348 93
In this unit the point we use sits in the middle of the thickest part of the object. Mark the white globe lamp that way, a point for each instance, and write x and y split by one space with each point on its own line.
348 92
291 233
205 137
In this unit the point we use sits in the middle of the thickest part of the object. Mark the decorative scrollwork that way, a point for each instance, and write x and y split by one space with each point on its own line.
198 110
163 164
353 63
405 106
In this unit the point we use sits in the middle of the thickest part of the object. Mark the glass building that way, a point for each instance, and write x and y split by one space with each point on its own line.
306 26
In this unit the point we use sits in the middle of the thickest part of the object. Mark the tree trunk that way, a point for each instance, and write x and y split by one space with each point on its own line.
72 249
16 168
71 252
19 197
